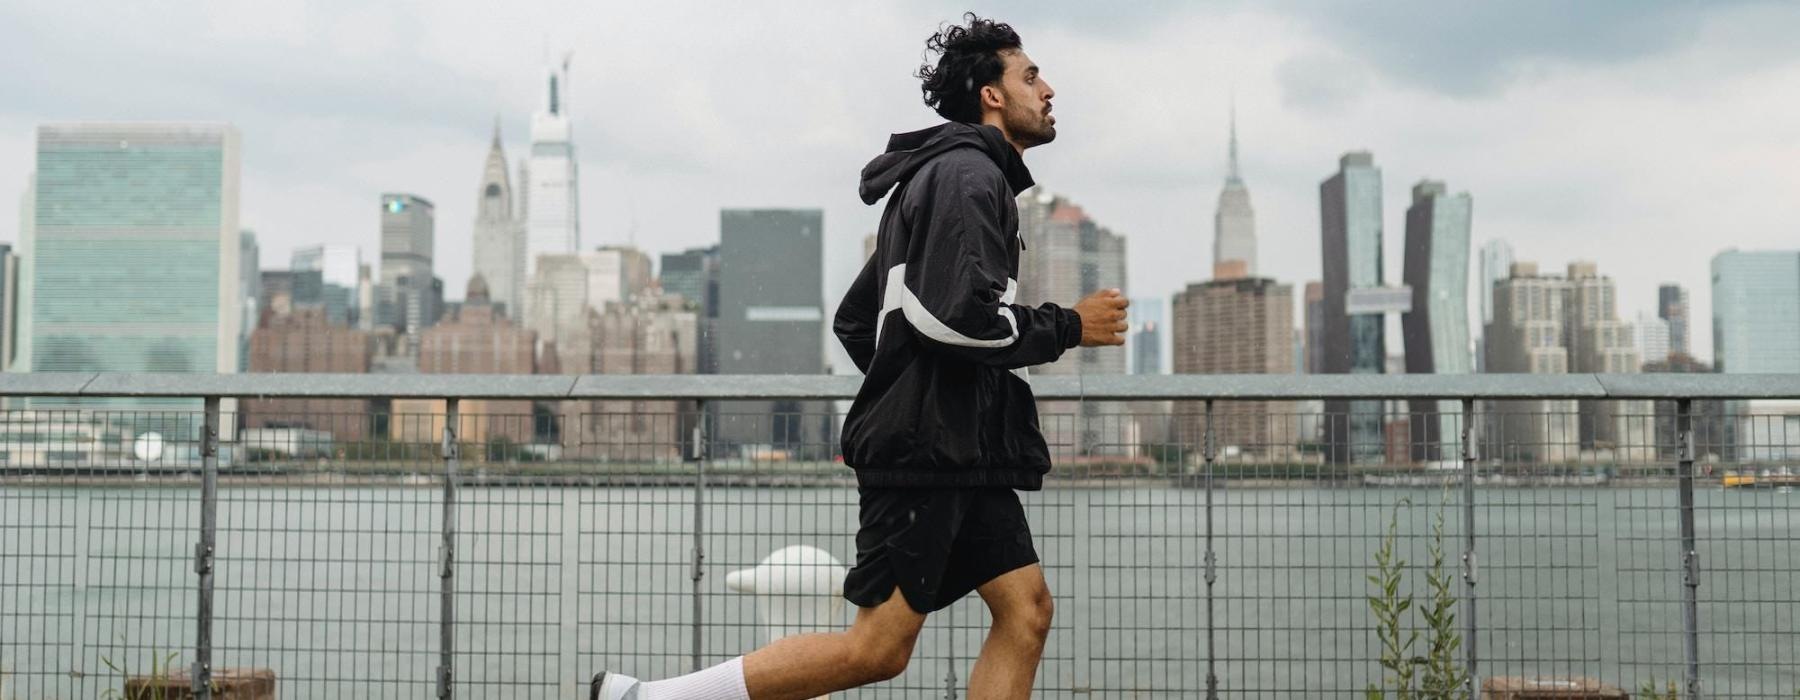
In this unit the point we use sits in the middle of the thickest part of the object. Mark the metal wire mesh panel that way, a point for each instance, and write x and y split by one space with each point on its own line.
100 543
634 516
1747 516
515 591
328 555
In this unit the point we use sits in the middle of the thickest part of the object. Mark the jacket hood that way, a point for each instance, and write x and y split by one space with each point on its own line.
908 152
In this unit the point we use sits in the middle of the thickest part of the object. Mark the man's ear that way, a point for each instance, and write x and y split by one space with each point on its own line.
991 97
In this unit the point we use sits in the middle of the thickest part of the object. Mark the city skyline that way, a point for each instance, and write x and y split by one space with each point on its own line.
395 99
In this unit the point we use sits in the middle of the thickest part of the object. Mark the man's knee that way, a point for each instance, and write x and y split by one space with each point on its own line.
1031 616
880 658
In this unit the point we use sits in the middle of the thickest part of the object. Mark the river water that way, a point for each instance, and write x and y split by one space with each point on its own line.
337 589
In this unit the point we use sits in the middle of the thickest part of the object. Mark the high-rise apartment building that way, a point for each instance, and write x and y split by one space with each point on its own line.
1601 343
1672 308
771 320
1067 256
652 333
568 286
1354 343
408 232
477 340
304 340
551 198
1237 326
1555 325
499 250
131 261
1756 311
1651 335
1526 336
1234 222
1436 330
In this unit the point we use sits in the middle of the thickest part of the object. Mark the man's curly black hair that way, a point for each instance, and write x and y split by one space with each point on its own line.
969 58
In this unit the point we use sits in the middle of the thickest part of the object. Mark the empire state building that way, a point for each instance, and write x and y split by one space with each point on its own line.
1234 224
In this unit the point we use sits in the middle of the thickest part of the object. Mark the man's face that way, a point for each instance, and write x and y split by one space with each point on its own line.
1026 113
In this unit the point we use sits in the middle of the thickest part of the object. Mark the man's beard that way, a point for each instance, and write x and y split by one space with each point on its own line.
1029 127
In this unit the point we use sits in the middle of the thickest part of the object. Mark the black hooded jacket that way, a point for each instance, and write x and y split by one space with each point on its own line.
931 321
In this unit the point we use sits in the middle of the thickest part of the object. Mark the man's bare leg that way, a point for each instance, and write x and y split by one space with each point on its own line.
1021 606
876 648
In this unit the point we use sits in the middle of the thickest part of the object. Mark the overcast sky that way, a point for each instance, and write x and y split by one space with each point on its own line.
1645 136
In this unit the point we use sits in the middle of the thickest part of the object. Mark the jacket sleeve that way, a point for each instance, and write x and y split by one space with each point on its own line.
957 296
856 314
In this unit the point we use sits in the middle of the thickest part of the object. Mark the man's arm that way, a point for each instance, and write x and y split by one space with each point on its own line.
958 298
856 317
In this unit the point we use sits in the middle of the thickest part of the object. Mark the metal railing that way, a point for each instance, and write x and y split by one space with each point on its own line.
1204 535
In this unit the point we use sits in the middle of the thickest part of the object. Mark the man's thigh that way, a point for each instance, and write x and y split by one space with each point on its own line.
1020 591
891 626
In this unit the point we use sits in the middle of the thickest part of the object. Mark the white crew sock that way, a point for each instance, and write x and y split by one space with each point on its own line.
722 682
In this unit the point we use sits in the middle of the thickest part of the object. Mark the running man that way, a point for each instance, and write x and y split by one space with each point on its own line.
945 427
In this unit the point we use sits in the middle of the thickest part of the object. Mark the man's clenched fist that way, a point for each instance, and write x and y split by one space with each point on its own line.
1103 318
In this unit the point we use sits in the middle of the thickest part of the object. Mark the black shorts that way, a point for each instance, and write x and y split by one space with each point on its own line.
936 545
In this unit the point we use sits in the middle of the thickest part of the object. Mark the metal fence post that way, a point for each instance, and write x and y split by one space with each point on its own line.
1209 453
950 656
1690 555
703 441
1468 556
447 559
203 552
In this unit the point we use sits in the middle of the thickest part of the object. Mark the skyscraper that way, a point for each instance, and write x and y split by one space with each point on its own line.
499 250
1350 226
1234 223
1437 327
1237 326
552 193
1672 307
1527 337
1496 264
1756 311
772 321
1601 343
1067 256
408 228
339 266
131 264
1651 334
694 274
1146 341
249 281
9 305
1315 328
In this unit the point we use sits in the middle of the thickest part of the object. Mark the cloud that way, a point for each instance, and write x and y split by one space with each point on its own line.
1582 130
1469 49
